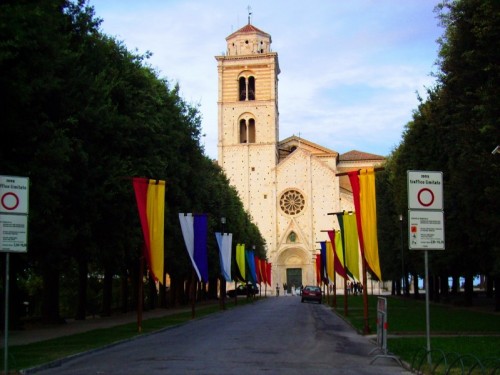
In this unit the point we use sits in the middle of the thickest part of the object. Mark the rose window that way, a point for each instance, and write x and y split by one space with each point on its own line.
292 202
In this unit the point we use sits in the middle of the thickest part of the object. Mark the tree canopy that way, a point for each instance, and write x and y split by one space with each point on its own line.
81 116
454 131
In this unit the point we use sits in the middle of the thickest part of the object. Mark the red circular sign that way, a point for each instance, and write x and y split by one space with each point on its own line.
425 199
8 205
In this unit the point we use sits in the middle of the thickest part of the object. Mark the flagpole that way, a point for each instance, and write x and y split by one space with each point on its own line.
139 294
193 294
334 303
222 277
366 328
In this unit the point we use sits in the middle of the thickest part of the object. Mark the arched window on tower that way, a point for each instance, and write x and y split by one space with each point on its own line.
242 88
243 131
251 131
251 88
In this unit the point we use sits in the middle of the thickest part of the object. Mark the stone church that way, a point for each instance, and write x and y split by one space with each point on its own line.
288 186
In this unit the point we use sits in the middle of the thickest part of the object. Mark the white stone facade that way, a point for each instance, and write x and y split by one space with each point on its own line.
289 187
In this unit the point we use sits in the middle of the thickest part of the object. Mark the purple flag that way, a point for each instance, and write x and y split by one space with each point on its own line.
200 244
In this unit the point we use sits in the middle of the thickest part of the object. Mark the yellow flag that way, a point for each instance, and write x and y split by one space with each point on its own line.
156 217
351 245
240 259
369 219
338 248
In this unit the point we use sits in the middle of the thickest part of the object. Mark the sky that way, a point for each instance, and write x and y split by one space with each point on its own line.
351 70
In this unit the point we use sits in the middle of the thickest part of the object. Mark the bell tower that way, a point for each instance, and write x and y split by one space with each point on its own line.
248 121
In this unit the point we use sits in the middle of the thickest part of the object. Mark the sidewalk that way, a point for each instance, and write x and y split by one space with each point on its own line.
72 326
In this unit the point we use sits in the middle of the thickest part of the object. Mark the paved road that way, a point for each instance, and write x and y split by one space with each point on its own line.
273 336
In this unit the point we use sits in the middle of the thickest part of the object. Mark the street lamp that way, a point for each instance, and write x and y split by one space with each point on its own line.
223 221
402 256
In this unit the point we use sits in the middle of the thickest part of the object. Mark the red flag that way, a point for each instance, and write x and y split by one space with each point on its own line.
268 273
258 274
141 197
150 198
318 269
354 179
263 270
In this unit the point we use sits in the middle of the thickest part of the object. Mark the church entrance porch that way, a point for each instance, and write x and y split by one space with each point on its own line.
293 266
293 280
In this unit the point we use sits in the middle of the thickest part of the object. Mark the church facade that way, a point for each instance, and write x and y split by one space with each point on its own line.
288 186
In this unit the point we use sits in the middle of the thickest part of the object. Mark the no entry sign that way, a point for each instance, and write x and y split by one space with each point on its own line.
425 190
14 192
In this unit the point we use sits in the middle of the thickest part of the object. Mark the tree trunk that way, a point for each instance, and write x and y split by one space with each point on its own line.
81 307
497 293
490 281
134 280
437 295
107 292
468 291
416 293
444 286
212 287
455 285
153 294
50 295
393 288
163 293
124 291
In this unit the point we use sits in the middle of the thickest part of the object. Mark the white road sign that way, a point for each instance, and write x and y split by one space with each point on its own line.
14 233
426 230
14 192
425 190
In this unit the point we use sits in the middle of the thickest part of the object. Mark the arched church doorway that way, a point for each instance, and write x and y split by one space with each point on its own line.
293 278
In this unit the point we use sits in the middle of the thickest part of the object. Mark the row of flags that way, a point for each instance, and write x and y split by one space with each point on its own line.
259 270
340 255
150 198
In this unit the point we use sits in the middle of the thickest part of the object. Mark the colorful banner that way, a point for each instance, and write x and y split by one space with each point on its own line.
338 260
351 245
225 241
354 180
268 273
150 198
324 277
368 214
363 188
330 268
318 269
240 260
258 269
200 245
250 258
194 230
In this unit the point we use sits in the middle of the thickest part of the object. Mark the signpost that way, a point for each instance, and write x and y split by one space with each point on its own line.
425 224
14 208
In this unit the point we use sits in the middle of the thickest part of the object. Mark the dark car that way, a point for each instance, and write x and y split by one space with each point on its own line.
311 293
241 290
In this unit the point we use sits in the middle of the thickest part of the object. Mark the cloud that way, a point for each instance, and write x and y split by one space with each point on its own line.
350 70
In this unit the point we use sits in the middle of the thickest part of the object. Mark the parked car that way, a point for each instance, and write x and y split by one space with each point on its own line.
311 293
241 290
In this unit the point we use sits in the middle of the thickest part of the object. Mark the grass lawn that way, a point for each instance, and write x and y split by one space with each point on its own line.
455 331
